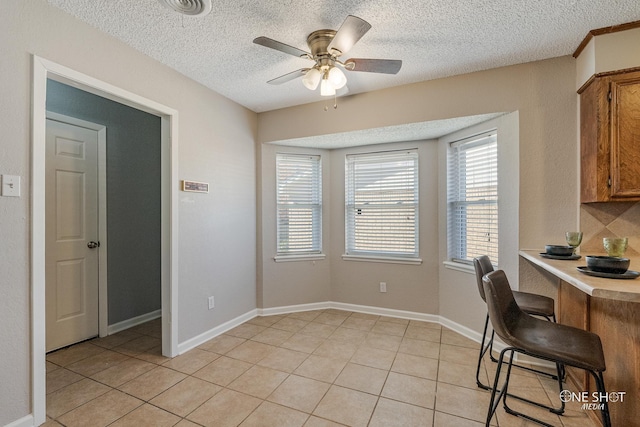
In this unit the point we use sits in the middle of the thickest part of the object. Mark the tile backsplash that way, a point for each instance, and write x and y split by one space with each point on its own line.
614 219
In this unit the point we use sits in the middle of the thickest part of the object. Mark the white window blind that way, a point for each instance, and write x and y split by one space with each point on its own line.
381 203
472 196
299 194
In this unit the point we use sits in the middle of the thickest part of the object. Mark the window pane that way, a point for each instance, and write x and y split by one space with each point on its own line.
382 204
472 191
299 194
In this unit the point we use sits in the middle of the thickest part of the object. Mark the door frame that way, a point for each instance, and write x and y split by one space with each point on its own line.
42 70
103 252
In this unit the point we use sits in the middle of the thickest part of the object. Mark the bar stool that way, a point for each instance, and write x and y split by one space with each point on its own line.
525 334
534 304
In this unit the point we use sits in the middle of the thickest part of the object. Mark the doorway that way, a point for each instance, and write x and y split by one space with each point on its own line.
42 71
131 196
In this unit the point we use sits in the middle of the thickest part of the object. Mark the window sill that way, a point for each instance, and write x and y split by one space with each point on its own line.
301 257
458 266
390 260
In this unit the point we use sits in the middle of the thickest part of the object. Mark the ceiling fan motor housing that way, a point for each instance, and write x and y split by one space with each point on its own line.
318 42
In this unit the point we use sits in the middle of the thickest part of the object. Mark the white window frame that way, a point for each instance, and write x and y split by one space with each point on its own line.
460 196
387 197
298 191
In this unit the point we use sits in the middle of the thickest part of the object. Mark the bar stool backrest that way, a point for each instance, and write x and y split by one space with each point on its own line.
503 309
483 266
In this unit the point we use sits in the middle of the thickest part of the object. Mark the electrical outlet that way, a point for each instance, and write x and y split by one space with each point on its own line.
212 303
383 286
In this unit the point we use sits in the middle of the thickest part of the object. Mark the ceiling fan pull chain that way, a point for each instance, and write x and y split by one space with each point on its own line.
335 103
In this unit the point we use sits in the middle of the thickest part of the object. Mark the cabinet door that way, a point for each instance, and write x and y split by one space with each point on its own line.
625 135
595 158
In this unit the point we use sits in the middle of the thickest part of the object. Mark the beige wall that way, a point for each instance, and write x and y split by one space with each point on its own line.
543 95
291 282
409 287
216 145
460 300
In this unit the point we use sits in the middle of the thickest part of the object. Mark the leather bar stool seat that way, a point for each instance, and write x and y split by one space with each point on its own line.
522 333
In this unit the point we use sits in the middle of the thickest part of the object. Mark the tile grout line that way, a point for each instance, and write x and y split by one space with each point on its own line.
309 414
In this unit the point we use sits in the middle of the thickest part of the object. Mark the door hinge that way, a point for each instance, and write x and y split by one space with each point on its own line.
609 96
609 182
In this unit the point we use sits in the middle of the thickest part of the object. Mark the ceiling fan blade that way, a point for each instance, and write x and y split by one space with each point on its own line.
351 30
288 77
385 66
273 44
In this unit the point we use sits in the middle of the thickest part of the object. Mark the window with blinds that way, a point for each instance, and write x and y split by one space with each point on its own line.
472 198
299 204
381 201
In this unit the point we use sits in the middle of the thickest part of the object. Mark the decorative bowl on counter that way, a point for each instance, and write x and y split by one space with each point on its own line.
607 264
559 250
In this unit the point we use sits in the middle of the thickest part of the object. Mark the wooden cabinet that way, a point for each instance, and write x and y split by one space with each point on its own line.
618 325
610 138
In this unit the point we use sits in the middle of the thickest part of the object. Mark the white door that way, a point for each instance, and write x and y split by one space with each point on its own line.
71 234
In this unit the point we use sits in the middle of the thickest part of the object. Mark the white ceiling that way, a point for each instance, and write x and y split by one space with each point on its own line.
433 38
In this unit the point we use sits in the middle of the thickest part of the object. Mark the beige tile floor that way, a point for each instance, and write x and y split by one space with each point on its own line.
314 369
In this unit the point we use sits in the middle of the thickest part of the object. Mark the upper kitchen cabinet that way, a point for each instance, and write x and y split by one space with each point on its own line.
610 137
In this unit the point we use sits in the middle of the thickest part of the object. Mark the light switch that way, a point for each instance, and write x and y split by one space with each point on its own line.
11 185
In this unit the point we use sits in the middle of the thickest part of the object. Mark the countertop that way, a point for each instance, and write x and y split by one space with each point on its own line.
614 289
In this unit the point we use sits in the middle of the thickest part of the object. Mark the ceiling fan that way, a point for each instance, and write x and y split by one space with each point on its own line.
327 46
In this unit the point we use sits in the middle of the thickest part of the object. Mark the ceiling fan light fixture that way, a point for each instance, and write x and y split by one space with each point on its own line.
326 47
337 78
312 78
326 88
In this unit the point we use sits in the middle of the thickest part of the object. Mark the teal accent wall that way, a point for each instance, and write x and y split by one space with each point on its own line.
133 197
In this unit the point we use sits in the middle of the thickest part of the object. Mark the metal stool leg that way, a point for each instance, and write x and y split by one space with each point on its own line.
483 350
606 418
503 392
494 401
557 411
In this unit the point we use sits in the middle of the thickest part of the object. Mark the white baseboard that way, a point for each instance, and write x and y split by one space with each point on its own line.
286 309
220 329
390 312
26 421
381 311
187 345
134 321
466 332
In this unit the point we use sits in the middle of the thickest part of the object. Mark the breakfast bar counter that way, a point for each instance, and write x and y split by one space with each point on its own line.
613 289
611 309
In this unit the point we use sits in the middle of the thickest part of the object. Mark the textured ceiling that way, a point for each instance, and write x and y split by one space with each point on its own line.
408 132
433 38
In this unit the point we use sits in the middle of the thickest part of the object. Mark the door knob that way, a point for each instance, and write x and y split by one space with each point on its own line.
93 245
